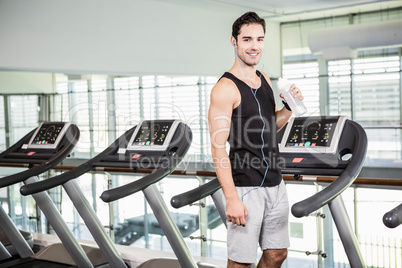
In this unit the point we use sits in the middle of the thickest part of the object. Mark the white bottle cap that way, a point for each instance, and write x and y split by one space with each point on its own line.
282 82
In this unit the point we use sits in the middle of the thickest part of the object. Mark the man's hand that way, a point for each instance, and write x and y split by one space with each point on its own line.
236 211
295 91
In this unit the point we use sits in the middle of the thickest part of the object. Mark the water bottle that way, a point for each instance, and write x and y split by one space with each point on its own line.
296 105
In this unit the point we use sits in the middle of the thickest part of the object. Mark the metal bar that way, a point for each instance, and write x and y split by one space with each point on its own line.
59 225
168 226
355 212
111 209
39 219
155 105
141 95
218 197
111 109
4 254
11 201
345 230
319 233
93 223
400 95
201 116
24 213
14 235
329 237
7 121
203 222
94 197
91 118
146 224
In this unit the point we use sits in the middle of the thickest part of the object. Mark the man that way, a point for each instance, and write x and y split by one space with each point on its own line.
243 112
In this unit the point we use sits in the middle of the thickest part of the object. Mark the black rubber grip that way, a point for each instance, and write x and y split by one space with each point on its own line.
135 186
196 194
393 218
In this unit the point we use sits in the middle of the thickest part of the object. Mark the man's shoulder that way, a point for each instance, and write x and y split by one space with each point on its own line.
225 92
267 78
224 86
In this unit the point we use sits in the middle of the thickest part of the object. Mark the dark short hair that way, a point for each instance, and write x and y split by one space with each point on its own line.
246 19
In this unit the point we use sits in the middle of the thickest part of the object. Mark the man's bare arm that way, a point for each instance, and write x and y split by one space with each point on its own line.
223 99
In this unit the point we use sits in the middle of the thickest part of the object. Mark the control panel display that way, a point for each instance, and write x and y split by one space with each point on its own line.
316 134
313 133
153 135
48 135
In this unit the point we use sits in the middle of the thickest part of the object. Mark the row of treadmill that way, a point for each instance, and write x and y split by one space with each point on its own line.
326 146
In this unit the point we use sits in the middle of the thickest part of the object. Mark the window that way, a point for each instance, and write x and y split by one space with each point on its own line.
135 98
305 76
127 103
98 113
339 88
60 111
367 90
23 116
376 89
161 97
79 114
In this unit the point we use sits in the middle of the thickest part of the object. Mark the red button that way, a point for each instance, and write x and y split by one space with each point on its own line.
31 153
297 160
136 156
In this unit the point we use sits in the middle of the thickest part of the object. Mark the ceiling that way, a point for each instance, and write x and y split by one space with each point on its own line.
292 10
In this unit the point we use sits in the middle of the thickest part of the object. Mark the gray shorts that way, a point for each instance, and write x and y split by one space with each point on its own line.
266 224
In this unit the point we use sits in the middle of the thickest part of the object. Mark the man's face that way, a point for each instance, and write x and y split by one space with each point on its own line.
250 44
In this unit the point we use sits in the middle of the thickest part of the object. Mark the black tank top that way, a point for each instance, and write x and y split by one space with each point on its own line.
248 166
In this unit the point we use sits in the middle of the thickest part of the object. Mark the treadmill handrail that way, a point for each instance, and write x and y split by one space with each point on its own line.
196 194
72 134
157 175
61 179
313 203
135 186
393 218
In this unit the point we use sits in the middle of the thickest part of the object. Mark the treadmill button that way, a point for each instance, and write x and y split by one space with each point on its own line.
297 160
136 156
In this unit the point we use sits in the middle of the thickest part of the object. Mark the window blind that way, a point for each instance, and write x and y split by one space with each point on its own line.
305 76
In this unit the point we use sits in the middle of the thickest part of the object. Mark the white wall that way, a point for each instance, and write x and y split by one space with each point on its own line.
272 58
25 82
121 37
114 37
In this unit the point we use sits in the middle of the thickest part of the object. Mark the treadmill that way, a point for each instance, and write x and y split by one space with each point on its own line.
42 149
317 145
153 144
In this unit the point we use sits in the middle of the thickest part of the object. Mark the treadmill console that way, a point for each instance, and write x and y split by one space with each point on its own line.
48 135
153 135
316 134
